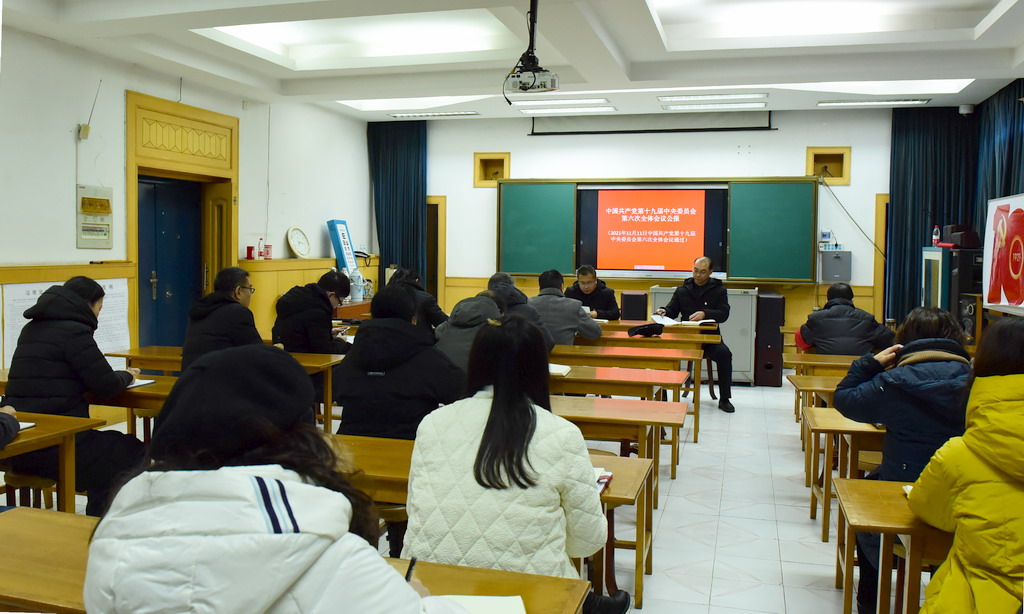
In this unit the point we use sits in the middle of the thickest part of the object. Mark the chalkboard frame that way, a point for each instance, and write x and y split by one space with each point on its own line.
811 238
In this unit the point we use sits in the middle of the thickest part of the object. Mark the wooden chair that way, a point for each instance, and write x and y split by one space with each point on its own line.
31 490
708 371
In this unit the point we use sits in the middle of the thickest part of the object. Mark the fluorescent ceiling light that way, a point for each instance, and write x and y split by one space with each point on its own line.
714 105
433 114
534 102
566 110
882 88
870 103
400 104
697 97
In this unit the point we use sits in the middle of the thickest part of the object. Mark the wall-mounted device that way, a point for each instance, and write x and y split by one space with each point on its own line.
95 217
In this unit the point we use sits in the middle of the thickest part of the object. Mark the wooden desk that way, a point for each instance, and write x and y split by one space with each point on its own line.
671 341
168 359
874 506
384 464
541 594
618 419
45 571
818 364
827 422
625 325
639 358
641 383
808 385
53 431
354 309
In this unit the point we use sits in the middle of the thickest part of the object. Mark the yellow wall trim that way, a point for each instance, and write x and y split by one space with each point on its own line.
59 273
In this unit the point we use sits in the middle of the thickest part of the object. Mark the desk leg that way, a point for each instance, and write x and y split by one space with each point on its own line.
328 400
696 410
66 475
814 445
826 490
643 527
808 473
609 559
885 573
912 575
847 551
649 446
130 421
597 565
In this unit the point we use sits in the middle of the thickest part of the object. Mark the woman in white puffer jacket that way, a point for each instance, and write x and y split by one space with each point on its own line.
497 480
240 508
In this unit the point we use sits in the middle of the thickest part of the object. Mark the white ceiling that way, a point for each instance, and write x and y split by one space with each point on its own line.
629 52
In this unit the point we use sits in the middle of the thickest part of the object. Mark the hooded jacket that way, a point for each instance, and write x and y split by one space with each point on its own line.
712 298
564 317
304 322
216 541
391 378
57 362
602 300
516 304
454 520
974 486
920 401
215 322
455 337
841 328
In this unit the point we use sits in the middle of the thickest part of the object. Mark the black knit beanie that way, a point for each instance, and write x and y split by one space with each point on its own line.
225 399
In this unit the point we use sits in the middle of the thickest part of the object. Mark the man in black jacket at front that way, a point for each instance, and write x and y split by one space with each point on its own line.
703 297
222 318
304 316
841 328
597 297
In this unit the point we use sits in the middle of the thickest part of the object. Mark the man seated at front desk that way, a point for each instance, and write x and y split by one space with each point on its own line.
703 297
597 297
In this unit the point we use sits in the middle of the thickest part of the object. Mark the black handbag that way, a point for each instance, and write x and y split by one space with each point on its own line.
647 330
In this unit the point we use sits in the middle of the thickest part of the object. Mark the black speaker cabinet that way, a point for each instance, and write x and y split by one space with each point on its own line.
634 305
771 316
965 274
970 316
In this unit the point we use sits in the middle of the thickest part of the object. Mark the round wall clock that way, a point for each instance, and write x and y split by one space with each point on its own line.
298 242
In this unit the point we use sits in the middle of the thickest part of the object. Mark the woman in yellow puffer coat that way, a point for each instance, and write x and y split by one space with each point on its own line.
974 486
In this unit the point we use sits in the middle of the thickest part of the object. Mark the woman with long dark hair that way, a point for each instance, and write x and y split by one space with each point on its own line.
240 507
58 369
497 480
917 389
974 486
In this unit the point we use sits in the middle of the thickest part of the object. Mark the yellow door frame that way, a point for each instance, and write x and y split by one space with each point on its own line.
441 202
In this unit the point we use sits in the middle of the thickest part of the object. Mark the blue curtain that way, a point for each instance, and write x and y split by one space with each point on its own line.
398 171
1000 148
931 181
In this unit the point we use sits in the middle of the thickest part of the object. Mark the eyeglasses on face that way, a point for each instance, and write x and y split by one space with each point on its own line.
249 288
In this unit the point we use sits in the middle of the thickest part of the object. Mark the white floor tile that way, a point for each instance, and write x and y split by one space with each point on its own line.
746 569
753 596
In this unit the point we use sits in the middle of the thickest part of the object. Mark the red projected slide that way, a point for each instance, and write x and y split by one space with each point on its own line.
649 230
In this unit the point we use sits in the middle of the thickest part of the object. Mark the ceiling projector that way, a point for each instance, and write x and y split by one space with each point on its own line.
537 80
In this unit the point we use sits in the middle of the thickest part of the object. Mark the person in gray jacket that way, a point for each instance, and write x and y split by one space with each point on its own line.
455 336
564 317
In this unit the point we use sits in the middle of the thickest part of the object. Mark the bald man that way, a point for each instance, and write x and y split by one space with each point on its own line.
703 297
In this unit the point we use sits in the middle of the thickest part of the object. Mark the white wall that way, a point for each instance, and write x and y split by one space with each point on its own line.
781 152
318 159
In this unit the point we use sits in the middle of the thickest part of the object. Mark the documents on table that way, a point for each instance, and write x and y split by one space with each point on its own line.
670 322
559 370
25 425
141 382
602 477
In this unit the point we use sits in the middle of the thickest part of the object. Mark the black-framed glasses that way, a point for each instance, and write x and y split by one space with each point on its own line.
249 288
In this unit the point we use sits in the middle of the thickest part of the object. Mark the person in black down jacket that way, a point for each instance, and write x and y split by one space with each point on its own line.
921 401
304 316
428 314
9 426
516 304
393 376
594 294
702 297
841 328
222 318
58 369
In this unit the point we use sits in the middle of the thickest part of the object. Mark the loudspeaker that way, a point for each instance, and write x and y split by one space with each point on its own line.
634 305
771 316
970 317
965 266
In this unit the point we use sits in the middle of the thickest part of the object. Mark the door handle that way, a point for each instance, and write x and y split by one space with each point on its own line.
152 282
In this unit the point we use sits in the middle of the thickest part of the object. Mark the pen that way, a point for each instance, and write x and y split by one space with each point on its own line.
408 572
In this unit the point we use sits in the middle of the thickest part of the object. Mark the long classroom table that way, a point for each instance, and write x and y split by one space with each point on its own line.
167 358
625 325
51 431
44 569
668 340
383 467
818 364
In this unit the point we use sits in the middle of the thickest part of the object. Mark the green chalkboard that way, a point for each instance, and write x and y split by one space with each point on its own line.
537 227
772 230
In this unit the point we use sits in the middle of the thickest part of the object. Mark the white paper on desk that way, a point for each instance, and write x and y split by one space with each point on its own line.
559 370
670 322
141 382
349 338
907 488
600 320
25 425
480 604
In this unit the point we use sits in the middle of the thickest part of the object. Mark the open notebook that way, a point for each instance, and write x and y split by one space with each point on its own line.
670 322
602 477
559 370
141 382
25 425
477 604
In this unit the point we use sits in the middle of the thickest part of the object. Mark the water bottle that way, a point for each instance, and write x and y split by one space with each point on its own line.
259 249
936 236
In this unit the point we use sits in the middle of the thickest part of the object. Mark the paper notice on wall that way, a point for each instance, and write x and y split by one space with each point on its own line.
111 335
